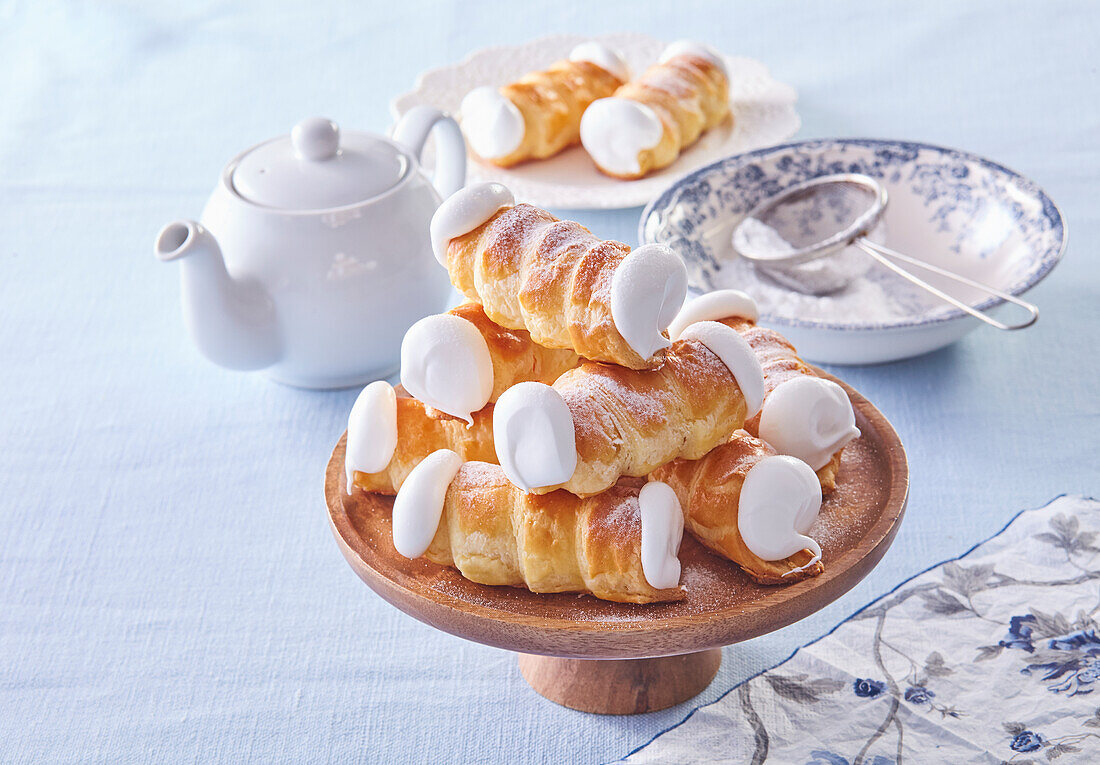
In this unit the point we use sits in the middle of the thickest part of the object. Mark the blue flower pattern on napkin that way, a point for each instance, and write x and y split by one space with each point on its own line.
1026 741
1019 633
919 695
1004 677
868 689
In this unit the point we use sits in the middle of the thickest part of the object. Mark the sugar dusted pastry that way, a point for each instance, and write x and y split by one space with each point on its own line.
803 415
458 362
620 545
599 422
388 435
752 506
648 122
554 279
540 114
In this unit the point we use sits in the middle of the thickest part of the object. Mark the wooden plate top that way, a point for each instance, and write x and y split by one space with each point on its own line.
856 525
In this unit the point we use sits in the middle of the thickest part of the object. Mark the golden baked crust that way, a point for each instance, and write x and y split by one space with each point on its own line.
495 534
550 277
552 102
709 490
422 430
516 358
628 422
689 94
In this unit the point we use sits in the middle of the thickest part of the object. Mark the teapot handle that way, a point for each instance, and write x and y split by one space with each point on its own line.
411 131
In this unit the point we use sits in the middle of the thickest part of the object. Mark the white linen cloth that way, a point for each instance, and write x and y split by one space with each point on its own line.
169 588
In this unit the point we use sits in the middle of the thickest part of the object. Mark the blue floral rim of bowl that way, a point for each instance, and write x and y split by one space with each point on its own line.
946 186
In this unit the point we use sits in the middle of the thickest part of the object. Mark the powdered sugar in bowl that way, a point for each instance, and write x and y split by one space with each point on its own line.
952 209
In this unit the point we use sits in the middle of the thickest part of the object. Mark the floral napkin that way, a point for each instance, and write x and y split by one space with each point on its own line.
990 658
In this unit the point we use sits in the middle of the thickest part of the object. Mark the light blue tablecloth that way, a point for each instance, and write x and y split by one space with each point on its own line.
169 587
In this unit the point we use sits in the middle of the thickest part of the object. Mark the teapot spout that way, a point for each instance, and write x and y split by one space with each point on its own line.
233 321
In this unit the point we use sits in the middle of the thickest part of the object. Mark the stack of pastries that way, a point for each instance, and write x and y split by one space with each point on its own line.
561 429
629 127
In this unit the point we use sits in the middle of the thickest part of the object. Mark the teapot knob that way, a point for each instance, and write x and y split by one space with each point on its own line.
316 139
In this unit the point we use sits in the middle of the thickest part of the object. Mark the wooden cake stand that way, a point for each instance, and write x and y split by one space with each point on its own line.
620 658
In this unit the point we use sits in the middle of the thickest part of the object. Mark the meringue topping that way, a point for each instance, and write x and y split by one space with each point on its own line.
602 56
738 357
692 48
445 363
464 211
372 431
647 290
809 418
778 505
533 432
492 124
418 507
662 532
714 306
615 130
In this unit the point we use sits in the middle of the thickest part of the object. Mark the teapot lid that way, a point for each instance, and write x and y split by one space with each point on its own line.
316 168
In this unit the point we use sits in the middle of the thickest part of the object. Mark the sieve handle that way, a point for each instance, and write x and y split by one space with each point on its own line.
881 254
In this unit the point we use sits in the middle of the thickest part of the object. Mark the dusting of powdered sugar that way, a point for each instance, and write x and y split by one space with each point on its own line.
713 587
848 287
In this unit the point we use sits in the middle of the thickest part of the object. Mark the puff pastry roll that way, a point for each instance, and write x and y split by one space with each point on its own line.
803 415
621 545
459 361
388 436
599 422
648 122
556 280
538 115
752 506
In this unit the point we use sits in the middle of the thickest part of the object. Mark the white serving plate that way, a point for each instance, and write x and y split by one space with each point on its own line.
953 209
763 111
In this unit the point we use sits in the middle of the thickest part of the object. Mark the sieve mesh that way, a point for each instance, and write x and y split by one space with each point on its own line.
815 214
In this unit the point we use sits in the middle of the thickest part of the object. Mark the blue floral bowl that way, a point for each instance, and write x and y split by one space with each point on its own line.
947 207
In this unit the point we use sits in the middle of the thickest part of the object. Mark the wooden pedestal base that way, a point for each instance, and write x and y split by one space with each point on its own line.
620 686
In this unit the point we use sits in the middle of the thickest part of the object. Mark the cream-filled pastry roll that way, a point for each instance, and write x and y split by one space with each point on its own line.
556 280
539 114
803 415
649 121
599 422
621 545
752 506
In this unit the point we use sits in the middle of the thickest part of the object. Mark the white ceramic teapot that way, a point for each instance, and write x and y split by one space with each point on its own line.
313 256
